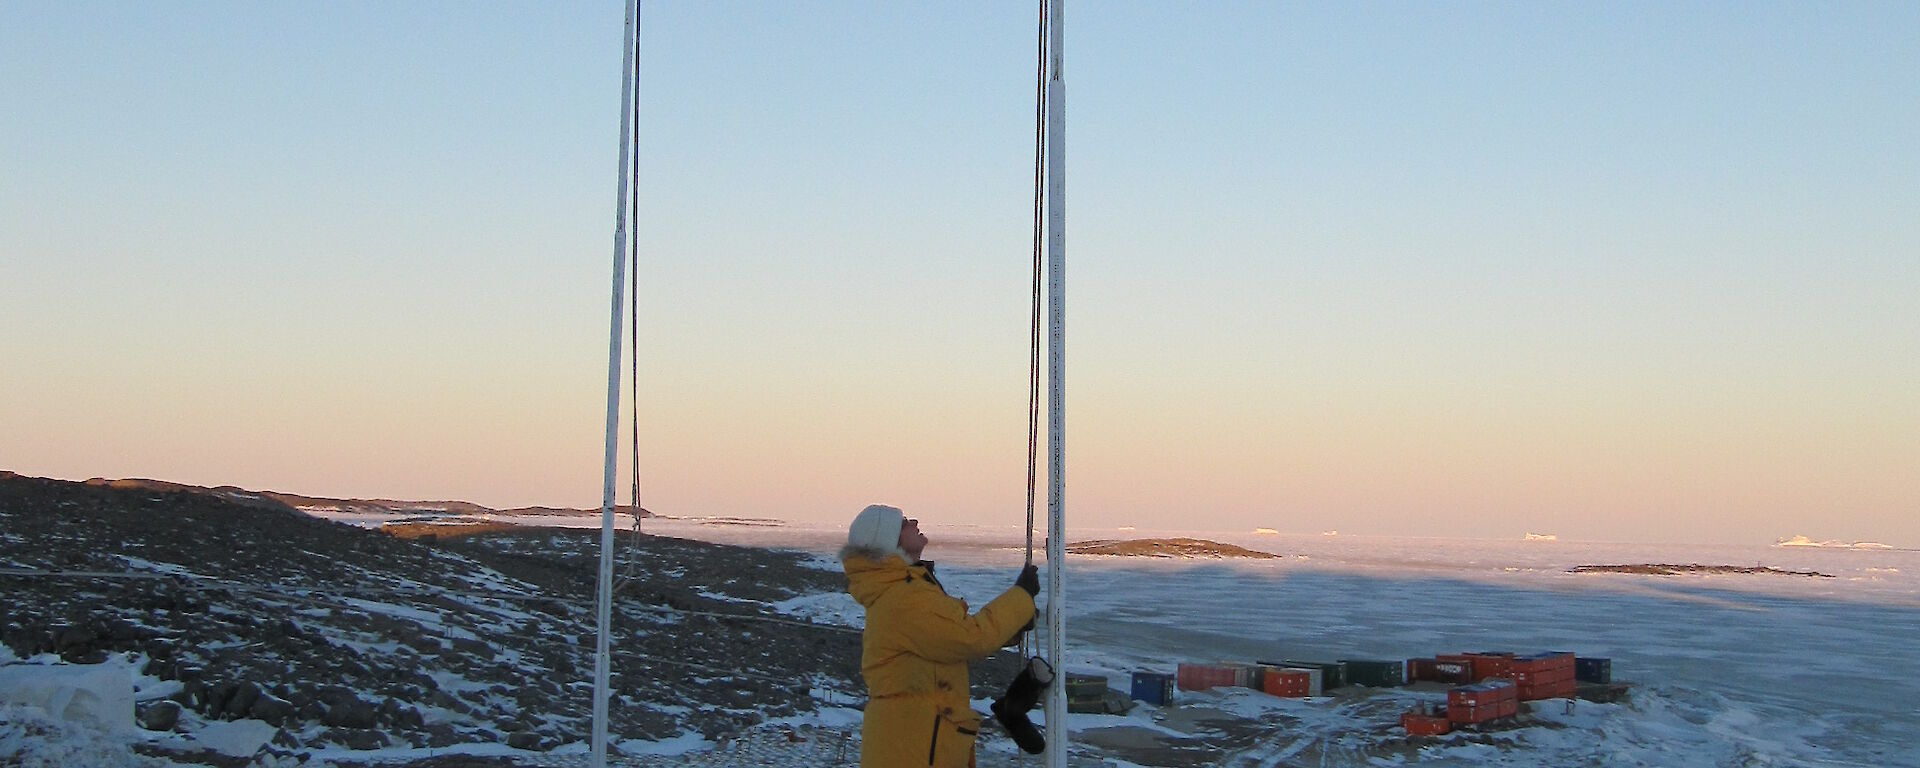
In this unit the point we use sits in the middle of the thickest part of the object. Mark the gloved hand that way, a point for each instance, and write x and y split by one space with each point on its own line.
1029 579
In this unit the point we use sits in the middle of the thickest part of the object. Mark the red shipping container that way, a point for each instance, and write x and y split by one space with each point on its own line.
1485 694
1472 715
1542 662
1555 690
1200 677
1530 665
1491 664
1418 724
1544 677
1483 665
1289 683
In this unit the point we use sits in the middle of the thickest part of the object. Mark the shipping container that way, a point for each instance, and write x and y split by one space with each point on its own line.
1488 693
1333 674
1474 715
1544 675
1087 694
1154 688
1422 724
1557 690
1200 677
1484 665
1543 662
1316 681
1288 683
1587 669
1258 681
1481 702
1374 673
1435 670
1604 693
1086 686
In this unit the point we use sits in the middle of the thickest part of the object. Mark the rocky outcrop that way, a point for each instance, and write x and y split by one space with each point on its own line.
1178 547
344 636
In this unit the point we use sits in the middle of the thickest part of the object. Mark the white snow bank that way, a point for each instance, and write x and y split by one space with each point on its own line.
237 738
98 695
30 738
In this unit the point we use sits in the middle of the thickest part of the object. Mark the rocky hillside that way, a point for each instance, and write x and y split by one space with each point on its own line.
347 636
384 507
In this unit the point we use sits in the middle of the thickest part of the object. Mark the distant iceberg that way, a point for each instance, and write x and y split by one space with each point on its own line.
1542 537
1266 532
1802 541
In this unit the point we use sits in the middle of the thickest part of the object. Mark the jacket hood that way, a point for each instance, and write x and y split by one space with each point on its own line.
869 576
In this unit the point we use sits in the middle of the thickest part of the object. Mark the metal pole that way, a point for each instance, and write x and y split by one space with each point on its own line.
604 604
1056 707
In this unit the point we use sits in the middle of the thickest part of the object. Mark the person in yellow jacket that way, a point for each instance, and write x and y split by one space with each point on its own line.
918 640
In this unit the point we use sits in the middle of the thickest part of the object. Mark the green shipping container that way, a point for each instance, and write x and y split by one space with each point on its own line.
1376 674
1090 687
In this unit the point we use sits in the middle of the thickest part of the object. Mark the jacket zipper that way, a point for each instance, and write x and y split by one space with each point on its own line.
934 745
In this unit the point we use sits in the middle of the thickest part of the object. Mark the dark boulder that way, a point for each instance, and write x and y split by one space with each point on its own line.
351 714
272 709
160 715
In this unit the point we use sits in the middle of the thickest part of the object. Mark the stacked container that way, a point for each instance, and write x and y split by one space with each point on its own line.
1086 693
1200 677
1482 666
1544 676
1481 702
1154 688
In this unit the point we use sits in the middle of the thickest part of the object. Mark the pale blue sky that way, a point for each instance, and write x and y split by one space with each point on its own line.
1636 271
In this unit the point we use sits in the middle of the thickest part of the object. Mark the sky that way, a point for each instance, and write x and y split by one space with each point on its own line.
1620 272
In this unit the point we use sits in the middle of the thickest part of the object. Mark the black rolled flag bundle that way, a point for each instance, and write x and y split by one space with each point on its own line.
1021 697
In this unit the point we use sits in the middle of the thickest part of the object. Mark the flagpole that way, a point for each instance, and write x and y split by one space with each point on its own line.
1056 620
604 602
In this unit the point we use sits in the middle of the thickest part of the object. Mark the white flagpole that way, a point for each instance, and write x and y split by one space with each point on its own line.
604 606
1056 706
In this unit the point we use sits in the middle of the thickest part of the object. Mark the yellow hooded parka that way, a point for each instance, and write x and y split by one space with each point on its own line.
914 655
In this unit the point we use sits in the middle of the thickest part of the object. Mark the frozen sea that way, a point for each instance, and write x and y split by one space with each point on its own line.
1728 670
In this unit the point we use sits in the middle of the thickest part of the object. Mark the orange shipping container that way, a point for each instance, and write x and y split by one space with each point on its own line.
1290 683
1492 664
1485 694
1418 724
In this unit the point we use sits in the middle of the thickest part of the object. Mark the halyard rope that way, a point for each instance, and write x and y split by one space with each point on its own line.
1033 340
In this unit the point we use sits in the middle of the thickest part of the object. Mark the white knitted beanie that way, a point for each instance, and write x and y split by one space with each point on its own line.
876 530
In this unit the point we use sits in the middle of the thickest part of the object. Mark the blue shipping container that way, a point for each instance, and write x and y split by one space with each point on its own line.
1154 688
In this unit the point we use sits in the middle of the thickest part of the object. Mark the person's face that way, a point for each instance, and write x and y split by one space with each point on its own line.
912 541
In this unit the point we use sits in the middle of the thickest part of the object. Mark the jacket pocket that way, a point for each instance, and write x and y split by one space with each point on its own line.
951 744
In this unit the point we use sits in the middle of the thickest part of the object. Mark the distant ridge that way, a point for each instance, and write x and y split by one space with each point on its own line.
310 504
1182 548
